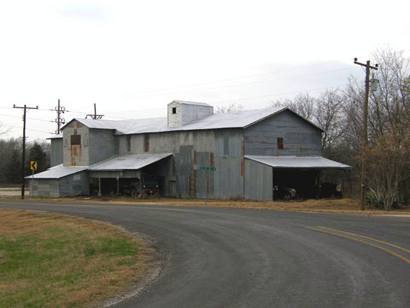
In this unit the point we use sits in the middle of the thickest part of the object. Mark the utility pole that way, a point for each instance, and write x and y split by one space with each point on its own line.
24 145
365 141
95 116
59 120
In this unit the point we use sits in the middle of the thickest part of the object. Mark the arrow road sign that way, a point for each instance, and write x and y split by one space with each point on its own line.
33 165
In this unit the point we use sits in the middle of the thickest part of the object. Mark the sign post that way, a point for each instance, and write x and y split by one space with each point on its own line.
33 168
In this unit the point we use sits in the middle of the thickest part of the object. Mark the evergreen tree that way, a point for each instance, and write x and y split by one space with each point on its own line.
37 153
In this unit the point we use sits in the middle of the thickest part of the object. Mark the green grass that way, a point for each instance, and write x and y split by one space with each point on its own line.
58 261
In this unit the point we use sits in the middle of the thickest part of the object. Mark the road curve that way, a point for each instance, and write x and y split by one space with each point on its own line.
260 258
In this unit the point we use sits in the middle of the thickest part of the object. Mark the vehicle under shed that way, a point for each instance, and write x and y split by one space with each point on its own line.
135 175
292 177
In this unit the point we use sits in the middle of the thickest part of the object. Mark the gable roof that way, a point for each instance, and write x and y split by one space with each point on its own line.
239 119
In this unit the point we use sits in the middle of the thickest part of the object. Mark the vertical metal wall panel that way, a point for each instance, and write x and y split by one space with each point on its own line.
56 155
299 137
122 145
258 181
183 167
44 188
204 175
228 182
102 145
74 185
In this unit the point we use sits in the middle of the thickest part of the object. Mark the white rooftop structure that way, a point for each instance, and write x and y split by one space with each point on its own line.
318 162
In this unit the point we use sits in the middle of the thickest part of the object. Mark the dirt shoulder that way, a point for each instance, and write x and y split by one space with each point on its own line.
342 206
49 260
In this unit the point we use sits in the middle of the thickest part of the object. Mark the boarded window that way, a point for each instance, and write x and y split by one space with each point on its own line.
174 110
129 143
146 143
75 139
279 142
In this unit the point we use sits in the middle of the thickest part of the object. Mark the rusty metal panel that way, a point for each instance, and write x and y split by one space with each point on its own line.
75 149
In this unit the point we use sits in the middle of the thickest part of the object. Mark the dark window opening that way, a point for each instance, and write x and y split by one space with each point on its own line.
75 139
129 143
174 110
146 143
279 142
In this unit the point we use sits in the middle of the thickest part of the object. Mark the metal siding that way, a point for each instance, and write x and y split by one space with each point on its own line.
56 155
44 188
228 182
122 145
300 137
258 181
80 155
102 145
74 185
198 179
184 171
205 175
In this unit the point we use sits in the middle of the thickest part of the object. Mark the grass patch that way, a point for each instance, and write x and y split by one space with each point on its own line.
49 260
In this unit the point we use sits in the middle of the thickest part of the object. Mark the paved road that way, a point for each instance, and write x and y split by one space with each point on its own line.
260 258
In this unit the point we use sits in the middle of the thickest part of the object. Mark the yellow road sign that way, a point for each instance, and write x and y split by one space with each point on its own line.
33 165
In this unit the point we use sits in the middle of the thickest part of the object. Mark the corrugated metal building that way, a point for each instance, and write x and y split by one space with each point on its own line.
193 153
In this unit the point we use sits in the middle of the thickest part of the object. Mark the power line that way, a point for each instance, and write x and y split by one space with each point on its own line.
29 118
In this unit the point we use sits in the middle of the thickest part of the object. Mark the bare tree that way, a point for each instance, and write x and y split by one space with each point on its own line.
229 108
3 130
302 104
389 118
328 115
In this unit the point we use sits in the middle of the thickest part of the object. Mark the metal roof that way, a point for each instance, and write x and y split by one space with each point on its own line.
59 136
127 126
57 172
239 119
318 162
128 162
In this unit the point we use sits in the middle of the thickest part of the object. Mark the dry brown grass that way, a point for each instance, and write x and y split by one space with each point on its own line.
50 260
345 205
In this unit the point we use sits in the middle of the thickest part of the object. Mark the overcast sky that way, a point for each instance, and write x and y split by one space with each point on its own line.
134 57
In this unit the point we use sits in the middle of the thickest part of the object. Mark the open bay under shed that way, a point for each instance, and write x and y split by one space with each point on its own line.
265 174
134 175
